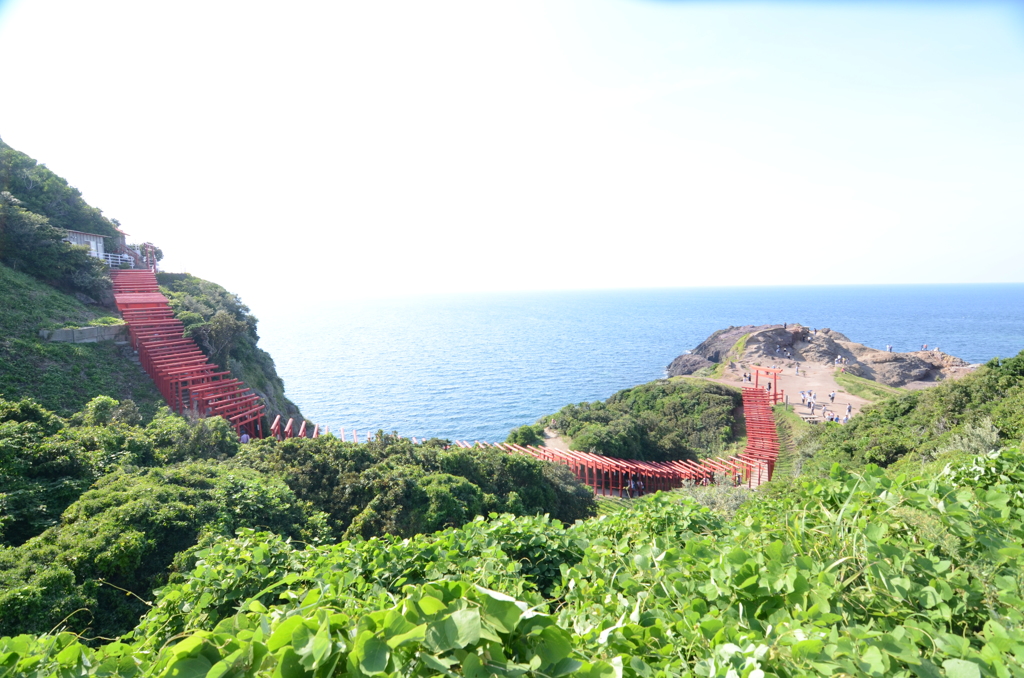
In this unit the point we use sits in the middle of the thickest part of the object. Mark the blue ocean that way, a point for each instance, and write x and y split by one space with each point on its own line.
472 367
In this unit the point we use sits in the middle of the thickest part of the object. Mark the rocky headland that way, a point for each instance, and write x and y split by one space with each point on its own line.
788 346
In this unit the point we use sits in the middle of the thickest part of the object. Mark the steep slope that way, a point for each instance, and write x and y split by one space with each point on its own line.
62 377
225 330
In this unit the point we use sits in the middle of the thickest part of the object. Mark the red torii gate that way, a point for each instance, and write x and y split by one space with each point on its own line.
770 373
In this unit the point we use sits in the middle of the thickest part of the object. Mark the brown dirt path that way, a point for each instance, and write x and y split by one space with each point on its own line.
554 441
813 377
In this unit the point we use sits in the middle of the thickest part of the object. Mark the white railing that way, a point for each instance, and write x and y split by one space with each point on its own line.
115 260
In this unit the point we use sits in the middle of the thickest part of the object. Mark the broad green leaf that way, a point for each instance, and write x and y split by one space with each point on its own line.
807 648
467 623
709 627
554 646
440 664
959 668
872 662
430 605
302 640
282 635
441 636
415 635
375 655
321 643
928 597
503 614
598 669
188 667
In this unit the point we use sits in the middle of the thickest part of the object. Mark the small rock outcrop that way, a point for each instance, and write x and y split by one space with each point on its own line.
790 345
688 363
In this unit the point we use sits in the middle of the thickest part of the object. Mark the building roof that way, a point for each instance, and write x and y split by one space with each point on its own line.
98 235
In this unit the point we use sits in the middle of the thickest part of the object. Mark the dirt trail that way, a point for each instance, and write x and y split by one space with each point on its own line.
813 377
553 440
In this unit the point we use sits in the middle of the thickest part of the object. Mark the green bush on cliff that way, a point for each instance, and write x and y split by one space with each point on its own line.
123 535
526 435
973 414
30 244
42 192
95 499
667 419
225 330
391 486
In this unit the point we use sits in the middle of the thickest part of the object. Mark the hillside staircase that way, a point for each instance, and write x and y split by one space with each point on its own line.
183 374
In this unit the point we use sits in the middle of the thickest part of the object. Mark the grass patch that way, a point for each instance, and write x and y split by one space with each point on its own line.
790 418
734 354
722 498
865 388
609 506
62 377
739 347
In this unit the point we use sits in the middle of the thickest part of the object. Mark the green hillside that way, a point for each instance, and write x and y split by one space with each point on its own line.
40 191
225 331
36 206
910 431
665 419
62 377
97 504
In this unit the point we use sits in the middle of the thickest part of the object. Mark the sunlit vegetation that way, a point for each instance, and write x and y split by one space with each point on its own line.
666 419
98 504
852 574
225 331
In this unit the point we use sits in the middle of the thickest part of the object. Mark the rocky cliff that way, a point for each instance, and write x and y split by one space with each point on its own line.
790 345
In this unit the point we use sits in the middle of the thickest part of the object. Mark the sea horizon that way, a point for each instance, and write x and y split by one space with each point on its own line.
474 365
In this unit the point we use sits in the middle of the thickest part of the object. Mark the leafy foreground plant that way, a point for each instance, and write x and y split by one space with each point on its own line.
847 575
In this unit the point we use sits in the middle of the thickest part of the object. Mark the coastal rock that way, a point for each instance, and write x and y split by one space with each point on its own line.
686 364
715 347
774 344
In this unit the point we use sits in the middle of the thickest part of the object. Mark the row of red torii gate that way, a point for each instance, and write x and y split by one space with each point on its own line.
612 476
188 381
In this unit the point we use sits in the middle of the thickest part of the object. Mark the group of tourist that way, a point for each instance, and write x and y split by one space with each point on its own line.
634 488
810 399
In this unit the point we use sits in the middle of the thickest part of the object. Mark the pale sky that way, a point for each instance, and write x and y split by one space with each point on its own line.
318 150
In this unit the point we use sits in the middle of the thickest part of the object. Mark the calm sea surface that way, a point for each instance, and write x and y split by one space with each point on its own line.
473 367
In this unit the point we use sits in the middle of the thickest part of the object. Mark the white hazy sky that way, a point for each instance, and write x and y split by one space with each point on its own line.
335 149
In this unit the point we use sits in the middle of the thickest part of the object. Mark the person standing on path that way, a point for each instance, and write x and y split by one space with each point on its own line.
832 397
849 408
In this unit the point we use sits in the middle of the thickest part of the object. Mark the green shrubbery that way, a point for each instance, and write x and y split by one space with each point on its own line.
96 503
851 574
389 485
526 435
668 419
225 330
973 414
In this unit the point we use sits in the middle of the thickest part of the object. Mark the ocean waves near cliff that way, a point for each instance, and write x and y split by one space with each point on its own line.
473 367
